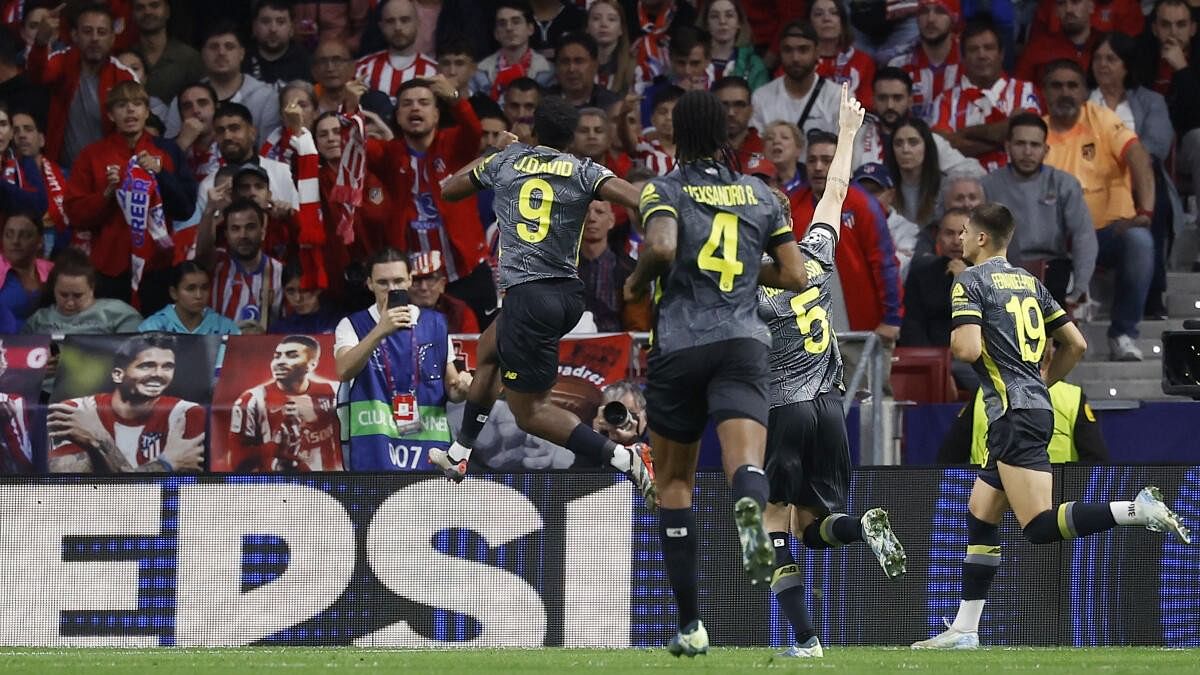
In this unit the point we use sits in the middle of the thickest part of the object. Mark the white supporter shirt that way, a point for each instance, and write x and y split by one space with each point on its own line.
772 102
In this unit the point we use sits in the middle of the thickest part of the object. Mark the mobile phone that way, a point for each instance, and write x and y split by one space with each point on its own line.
397 298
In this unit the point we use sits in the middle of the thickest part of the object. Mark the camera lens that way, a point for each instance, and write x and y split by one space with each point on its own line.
617 415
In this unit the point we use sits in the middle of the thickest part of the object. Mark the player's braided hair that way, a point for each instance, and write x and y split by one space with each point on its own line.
699 121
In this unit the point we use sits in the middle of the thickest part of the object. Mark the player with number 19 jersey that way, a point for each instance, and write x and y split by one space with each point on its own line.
1016 314
542 199
726 221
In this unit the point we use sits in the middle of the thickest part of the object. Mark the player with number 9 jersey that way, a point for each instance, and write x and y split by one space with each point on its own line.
542 199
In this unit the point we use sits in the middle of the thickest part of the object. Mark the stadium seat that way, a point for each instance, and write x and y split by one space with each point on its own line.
922 375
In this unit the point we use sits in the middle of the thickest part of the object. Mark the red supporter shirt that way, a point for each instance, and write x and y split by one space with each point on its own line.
854 68
1046 48
1114 15
264 438
422 221
929 80
865 258
140 441
967 105
380 71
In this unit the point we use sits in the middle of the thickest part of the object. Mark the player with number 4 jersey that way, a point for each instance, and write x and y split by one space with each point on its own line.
808 454
542 198
1002 318
707 227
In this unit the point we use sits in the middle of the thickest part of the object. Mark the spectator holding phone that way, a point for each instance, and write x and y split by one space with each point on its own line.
396 365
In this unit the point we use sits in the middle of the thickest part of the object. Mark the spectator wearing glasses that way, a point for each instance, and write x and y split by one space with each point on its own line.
332 68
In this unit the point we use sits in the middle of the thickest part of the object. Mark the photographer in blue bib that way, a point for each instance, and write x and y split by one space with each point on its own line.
396 365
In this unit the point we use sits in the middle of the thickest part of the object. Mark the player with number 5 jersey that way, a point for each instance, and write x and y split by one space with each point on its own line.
808 453
707 227
542 197
1002 318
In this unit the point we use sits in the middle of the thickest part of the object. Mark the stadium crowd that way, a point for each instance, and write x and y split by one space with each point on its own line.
229 167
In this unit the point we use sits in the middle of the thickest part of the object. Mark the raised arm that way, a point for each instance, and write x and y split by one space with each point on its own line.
850 119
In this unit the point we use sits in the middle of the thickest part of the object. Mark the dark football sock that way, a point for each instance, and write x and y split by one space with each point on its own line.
677 532
586 442
982 559
788 587
832 531
750 481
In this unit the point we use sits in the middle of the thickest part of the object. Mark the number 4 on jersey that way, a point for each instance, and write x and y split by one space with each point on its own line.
724 235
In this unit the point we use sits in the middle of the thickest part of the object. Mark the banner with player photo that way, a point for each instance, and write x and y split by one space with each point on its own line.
547 559
23 360
131 403
275 406
586 366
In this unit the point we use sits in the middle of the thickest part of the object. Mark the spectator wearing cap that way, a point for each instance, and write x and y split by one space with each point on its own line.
927 294
893 108
933 63
1076 41
428 291
799 95
576 65
604 272
79 78
877 180
130 249
735 97
868 273
1054 226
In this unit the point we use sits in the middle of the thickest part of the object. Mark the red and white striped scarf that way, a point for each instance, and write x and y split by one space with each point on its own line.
278 146
142 205
351 173
309 219
204 161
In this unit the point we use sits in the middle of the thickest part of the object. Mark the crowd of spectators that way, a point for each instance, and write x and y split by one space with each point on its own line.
230 166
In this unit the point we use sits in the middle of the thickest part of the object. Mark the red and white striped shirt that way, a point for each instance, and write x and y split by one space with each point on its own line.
929 79
241 294
653 156
967 105
383 72
140 441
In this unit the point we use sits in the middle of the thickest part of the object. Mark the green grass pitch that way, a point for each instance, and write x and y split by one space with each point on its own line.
300 660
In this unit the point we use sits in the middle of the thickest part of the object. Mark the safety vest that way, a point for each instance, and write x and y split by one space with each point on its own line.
371 440
1065 398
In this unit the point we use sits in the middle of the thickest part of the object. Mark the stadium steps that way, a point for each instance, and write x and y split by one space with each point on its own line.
1103 380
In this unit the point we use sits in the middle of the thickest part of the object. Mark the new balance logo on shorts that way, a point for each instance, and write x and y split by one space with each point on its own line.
510 375
676 532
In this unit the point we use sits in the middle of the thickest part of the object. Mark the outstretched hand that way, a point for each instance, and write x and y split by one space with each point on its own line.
850 113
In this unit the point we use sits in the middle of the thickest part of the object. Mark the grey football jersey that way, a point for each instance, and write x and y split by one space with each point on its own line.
805 360
726 221
542 198
1016 314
